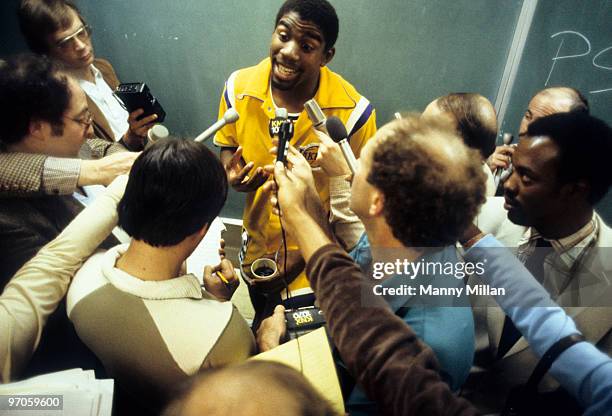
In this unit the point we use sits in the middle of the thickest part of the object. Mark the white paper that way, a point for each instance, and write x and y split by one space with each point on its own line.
207 252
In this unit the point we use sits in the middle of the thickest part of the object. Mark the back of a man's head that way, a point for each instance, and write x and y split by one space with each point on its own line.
432 183
319 12
255 388
476 120
174 189
565 99
38 19
31 89
553 100
585 145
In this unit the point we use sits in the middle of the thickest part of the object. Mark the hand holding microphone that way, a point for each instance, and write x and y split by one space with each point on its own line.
329 156
338 133
285 134
500 161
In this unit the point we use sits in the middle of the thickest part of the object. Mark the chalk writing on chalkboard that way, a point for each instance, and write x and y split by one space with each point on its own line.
587 45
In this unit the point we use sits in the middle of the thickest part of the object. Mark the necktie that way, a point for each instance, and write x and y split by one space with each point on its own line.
535 264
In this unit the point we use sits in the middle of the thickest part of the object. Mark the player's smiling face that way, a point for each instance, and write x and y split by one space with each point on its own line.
297 52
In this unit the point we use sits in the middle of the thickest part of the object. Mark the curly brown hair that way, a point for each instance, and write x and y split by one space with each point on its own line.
433 184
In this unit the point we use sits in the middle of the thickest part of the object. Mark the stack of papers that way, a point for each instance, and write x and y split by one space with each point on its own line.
81 393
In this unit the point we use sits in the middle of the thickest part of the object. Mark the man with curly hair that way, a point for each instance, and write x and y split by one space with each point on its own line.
302 46
416 189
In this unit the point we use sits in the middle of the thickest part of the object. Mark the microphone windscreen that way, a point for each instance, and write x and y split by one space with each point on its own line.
336 129
231 116
158 132
315 114
281 113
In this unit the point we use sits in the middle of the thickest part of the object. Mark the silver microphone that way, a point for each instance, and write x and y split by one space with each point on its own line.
230 116
157 132
316 115
502 174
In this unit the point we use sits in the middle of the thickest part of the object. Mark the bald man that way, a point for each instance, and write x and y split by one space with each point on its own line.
559 174
255 388
546 102
475 119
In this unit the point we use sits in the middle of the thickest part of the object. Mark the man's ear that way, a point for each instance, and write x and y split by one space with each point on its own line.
329 55
39 129
202 231
573 190
377 203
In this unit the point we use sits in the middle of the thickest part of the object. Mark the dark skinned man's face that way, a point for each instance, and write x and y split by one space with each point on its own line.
297 52
533 193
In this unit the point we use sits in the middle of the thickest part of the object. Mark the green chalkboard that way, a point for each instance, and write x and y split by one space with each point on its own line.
400 54
569 43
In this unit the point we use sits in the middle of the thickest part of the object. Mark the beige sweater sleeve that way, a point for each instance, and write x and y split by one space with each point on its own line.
346 226
38 287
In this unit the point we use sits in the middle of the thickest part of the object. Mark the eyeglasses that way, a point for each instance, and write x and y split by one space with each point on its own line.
85 121
81 34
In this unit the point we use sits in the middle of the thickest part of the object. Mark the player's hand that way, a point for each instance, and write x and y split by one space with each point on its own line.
238 174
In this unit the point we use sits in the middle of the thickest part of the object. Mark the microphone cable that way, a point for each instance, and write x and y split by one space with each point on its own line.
284 247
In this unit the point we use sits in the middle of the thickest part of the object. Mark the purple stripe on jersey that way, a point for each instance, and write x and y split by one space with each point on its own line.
227 100
362 120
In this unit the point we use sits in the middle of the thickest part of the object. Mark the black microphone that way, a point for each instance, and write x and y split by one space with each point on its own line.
338 133
285 133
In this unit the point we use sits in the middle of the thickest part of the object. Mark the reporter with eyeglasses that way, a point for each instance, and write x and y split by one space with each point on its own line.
44 112
56 28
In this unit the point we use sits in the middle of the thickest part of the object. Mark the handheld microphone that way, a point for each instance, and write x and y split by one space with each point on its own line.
155 133
338 133
502 174
285 133
316 115
230 116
